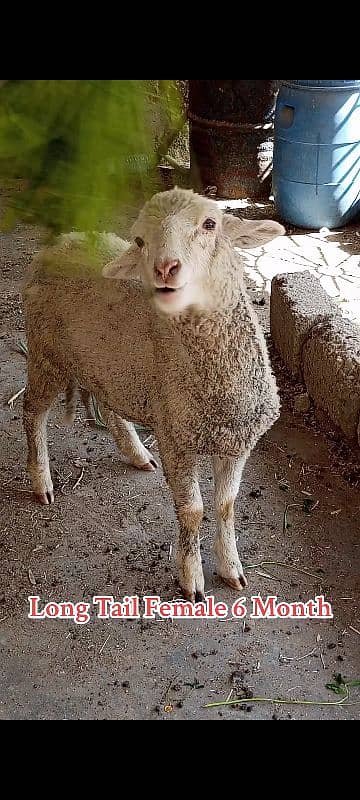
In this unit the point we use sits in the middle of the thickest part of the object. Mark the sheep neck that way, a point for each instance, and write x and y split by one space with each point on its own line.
217 353
218 340
215 340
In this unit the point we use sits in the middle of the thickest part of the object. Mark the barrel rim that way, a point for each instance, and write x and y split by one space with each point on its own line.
345 86
233 126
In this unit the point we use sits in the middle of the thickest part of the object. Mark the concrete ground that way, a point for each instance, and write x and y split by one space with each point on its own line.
114 533
331 256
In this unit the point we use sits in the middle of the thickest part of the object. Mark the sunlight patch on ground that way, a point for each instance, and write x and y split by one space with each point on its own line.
337 270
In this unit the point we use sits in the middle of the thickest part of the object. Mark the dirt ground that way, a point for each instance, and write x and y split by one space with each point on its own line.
115 533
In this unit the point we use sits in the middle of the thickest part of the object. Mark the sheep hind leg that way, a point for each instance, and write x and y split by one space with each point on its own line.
128 441
124 434
228 473
36 409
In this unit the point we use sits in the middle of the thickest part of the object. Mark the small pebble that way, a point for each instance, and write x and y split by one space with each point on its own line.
302 403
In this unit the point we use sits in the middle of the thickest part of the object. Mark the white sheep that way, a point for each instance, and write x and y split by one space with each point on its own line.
180 351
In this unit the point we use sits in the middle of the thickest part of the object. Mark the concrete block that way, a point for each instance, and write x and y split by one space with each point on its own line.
331 371
298 304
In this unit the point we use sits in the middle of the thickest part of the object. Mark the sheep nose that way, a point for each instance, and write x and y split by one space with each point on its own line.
167 269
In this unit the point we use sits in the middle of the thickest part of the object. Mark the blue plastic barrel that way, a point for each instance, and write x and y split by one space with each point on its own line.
316 176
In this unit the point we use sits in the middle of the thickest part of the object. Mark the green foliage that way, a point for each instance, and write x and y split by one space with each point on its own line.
83 148
341 685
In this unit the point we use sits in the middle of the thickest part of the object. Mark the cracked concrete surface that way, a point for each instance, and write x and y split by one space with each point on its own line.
333 257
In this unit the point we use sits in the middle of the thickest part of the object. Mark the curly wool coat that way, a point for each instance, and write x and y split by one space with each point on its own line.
203 379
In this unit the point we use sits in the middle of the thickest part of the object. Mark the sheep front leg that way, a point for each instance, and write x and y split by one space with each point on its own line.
228 473
182 477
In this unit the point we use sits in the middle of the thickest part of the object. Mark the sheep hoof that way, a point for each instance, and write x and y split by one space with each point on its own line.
151 466
193 597
46 498
236 583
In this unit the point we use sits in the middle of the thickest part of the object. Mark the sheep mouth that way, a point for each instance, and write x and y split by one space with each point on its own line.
168 290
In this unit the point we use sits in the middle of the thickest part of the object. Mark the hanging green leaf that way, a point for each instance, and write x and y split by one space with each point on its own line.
83 149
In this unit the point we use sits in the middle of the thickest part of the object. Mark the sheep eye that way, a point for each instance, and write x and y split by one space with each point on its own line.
209 225
140 242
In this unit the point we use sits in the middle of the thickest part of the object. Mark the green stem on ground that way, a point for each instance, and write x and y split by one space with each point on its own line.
343 702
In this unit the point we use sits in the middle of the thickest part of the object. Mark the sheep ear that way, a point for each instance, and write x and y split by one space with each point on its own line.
124 267
249 234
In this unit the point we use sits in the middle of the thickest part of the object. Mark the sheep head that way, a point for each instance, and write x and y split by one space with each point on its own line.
183 248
